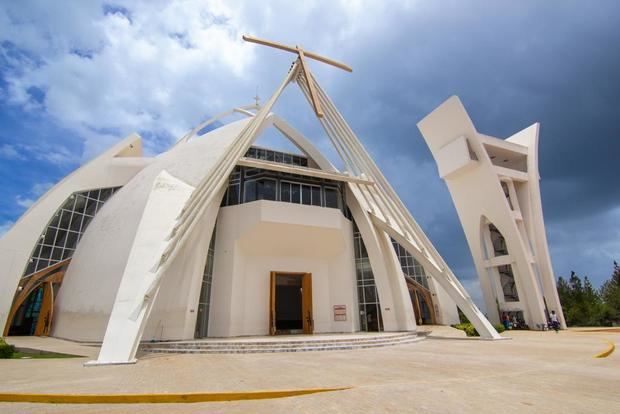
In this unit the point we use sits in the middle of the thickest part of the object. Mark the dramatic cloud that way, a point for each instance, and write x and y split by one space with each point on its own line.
77 77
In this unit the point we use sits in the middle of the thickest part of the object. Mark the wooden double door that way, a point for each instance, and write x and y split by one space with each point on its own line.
290 303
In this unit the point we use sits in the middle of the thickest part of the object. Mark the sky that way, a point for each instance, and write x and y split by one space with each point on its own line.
76 77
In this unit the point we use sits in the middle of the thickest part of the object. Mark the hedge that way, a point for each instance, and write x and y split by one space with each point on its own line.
6 350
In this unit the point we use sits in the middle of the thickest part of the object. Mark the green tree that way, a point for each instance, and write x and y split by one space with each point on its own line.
584 305
610 293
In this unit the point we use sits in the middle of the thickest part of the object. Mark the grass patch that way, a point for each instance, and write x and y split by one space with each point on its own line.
41 355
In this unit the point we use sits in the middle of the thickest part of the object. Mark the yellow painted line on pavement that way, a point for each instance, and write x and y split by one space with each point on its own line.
607 352
159 398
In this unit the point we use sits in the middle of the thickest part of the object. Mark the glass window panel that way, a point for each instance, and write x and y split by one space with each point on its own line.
76 222
278 157
269 156
306 194
85 221
94 194
285 191
91 207
80 203
331 197
42 264
61 236
104 194
50 236
233 194
55 220
66 253
65 219
45 252
364 252
57 253
316 196
295 193
226 198
31 267
287 158
204 293
267 189
249 191
370 294
69 203
72 238
252 172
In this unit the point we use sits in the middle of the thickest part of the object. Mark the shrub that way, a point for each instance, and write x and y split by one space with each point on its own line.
499 328
468 328
471 331
6 350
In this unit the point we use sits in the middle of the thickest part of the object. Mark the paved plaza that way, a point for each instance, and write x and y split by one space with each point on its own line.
534 372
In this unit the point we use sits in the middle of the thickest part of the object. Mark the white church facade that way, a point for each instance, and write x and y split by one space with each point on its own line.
219 237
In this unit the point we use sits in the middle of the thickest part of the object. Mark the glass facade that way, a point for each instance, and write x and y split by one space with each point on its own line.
367 296
204 302
506 275
410 266
277 156
61 236
247 184
507 280
499 243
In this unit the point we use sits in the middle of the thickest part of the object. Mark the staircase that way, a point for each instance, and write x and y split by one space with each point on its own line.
305 343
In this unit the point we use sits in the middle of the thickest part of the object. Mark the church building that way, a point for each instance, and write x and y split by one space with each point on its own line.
220 237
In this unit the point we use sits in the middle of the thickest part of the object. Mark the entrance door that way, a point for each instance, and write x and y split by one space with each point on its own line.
290 304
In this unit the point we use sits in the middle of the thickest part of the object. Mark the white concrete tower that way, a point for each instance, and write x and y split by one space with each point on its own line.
494 186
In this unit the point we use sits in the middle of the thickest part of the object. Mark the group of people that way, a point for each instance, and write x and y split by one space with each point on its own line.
514 323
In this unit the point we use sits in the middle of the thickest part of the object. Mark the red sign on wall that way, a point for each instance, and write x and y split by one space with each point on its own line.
340 312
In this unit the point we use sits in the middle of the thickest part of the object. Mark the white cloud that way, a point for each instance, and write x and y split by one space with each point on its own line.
40 188
160 72
35 192
10 152
158 67
24 202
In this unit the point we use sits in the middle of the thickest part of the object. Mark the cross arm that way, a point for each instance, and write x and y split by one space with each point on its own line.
310 55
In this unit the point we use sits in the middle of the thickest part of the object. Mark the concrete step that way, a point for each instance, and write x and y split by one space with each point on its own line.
260 341
280 344
233 347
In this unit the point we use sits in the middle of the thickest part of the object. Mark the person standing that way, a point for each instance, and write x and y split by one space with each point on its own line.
555 324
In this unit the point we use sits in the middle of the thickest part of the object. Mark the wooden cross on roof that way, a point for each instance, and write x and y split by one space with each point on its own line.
302 54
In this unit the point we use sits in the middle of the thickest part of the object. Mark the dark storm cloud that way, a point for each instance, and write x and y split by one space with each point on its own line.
557 63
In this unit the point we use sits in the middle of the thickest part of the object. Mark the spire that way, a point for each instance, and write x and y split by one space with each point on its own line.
301 57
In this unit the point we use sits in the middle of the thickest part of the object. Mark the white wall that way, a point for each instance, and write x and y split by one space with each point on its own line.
479 199
115 167
256 238
90 285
